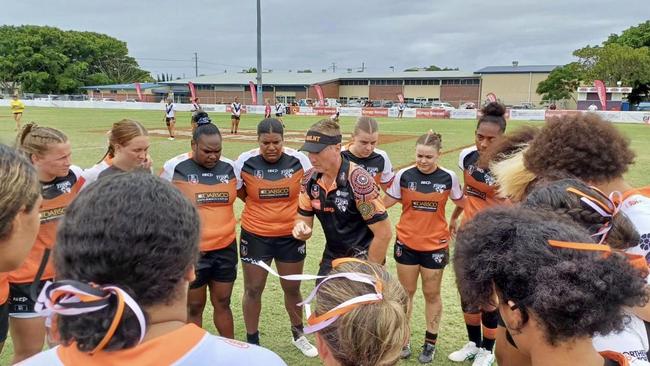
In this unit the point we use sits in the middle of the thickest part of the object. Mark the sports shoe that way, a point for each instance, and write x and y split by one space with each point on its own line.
170 138
483 358
428 352
468 352
305 347
406 352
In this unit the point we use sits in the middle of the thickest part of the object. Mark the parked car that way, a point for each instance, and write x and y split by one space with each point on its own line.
130 100
643 107
414 104
108 100
468 105
525 105
355 103
442 105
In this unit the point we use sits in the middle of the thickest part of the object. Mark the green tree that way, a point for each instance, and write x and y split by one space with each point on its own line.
635 37
561 82
250 70
50 60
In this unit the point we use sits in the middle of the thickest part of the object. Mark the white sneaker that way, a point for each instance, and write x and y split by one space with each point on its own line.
468 352
483 358
170 139
305 347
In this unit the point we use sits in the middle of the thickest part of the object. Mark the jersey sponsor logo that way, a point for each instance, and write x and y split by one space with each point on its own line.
429 206
315 191
207 175
193 178
235 343
287 173
64 187
259 174
425 182
341 203
471 191
52 214
269 193
638 354
212 197
342 193
413 186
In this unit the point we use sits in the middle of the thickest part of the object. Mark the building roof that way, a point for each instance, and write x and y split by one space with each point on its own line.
295 78
130 86
520 69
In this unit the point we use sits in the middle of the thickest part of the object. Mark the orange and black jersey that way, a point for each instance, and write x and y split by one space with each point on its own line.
212 191
344 210
57 195
480 186
377 164
272 191
423 226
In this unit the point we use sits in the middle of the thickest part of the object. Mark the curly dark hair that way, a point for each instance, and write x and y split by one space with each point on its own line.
134 231
555 197
581 145
573 293
506 145
493 112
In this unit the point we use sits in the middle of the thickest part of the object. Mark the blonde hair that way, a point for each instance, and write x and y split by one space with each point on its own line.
326 127
371 334
36 140
365 124
123 132
430 139
19 187
513 179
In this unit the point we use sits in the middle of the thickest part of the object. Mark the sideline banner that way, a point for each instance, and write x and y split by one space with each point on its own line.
463 114
528 114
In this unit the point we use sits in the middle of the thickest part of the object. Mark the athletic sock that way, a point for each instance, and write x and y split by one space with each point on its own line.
490 321
430 338
253 338
473 324
297 331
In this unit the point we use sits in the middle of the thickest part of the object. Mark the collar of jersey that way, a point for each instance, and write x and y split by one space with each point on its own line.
341 176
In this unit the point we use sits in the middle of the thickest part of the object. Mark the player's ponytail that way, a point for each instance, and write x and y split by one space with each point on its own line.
430 138
493 112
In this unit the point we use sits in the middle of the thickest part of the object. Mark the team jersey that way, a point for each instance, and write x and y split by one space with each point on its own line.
377 164
271 191
267 111
279 108
4 287
195 107
57 195
480 186
170 110
92 174
212 191
236 109
187 346
423 225
618 359
631 341
636 205
344 210
17 106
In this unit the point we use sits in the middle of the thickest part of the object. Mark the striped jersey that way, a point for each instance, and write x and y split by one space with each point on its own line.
480 186
377 164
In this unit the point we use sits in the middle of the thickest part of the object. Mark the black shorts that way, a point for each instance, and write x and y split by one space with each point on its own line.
278 114
216 265
435 259
285 249
20 302
234 117
4 321
170 120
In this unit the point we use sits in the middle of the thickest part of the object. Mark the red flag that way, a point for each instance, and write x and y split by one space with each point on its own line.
491 97
321 98
138 89
400 97
253 92
192 90
602 93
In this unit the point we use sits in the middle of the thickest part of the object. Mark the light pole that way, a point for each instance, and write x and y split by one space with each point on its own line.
260 91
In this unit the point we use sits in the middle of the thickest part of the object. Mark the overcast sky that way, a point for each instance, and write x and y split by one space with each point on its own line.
469 34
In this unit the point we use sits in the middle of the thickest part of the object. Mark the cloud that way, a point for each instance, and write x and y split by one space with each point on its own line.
469 34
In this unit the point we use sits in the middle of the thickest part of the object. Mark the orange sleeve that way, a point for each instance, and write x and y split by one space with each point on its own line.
304 205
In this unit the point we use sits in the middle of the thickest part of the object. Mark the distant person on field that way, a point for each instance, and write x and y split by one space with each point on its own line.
235 108
592 107
195 108
267 109
400 110
17 109
170 117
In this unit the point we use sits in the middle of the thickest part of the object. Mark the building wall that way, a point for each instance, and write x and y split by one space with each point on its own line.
422 91
459 94
384 92
330 90
513 89
349 91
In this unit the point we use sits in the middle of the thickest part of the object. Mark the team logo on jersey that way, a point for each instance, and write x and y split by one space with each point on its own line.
64 187
398 250
372 170
259 174
223 179
489 179
287 173
193 178
439 188
315 191
243 249
413 186
438 257
302 249
341 204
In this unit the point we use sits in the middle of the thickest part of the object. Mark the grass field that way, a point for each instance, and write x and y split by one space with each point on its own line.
86 129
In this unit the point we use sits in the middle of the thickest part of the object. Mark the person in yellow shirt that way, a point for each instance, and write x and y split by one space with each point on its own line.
17 109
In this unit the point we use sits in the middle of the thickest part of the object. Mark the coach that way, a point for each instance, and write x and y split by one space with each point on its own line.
344 197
